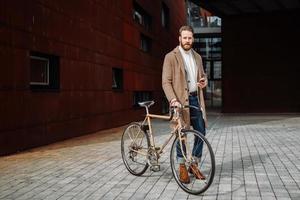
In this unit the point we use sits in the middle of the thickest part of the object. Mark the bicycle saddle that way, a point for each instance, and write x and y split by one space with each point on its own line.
146 103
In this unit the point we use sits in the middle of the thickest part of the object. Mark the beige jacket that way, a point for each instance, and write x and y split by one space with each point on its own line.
174 81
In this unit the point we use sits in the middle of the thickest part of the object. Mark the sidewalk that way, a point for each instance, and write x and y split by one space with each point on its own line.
257 157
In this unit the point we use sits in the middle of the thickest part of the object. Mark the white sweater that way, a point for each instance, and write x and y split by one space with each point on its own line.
190 67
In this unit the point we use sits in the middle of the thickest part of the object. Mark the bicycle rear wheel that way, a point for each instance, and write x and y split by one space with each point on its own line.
134 149
191 155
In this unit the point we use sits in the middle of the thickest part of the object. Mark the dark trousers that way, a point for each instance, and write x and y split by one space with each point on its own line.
197 122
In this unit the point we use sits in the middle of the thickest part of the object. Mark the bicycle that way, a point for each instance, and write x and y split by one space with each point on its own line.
139 151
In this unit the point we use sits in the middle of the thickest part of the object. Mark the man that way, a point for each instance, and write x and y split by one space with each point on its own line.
183 79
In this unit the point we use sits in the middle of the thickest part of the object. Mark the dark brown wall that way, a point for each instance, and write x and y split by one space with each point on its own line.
261 63
90 37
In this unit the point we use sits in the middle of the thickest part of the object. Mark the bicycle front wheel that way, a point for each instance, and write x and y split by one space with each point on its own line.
195 154
134 149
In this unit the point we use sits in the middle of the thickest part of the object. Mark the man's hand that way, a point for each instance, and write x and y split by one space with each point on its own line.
202 83
175 103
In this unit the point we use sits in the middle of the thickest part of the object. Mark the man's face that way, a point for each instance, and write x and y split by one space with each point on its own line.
186 40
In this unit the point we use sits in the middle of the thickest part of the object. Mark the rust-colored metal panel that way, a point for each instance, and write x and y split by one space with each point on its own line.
89 38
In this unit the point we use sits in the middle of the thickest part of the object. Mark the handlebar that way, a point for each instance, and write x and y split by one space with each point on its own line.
172 109
147 104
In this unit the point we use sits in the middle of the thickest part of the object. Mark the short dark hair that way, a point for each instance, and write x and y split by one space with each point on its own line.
186 28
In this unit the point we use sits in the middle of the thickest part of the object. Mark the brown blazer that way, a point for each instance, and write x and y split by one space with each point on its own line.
174 81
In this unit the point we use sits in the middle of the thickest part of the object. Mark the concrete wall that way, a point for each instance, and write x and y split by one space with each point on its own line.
90 37
261 63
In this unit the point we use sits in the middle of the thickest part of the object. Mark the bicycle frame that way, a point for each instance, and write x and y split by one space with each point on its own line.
173 133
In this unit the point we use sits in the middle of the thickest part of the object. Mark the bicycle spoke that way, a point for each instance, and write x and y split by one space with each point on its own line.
197 152
134 147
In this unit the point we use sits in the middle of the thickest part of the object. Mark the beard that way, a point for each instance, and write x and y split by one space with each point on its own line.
186 46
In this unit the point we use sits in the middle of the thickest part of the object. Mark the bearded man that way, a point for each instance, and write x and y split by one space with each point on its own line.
183 80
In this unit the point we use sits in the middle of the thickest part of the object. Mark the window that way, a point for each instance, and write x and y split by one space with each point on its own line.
217 69
141 16
214 21
165 18
39 72
209 47
140 96
145 43
117 78
44 71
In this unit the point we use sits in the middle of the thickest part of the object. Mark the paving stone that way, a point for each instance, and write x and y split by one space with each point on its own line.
257 157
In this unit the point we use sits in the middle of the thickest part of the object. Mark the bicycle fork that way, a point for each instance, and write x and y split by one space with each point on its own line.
185 147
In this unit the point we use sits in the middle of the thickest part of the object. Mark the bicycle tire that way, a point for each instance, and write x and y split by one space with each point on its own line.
206 165
133 148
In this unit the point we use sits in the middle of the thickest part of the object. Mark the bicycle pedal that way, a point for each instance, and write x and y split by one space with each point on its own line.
155 168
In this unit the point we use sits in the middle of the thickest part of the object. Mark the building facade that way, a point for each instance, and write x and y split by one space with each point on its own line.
68 69
259 61
208 39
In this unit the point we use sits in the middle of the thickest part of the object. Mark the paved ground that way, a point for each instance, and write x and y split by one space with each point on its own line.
257 157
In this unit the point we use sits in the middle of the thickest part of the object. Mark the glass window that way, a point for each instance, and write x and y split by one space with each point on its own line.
214 21
44 71
217 69
165 18
137 17
117 78
213 94
145 43
207 69
141 16
39 70
209 48
217 94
